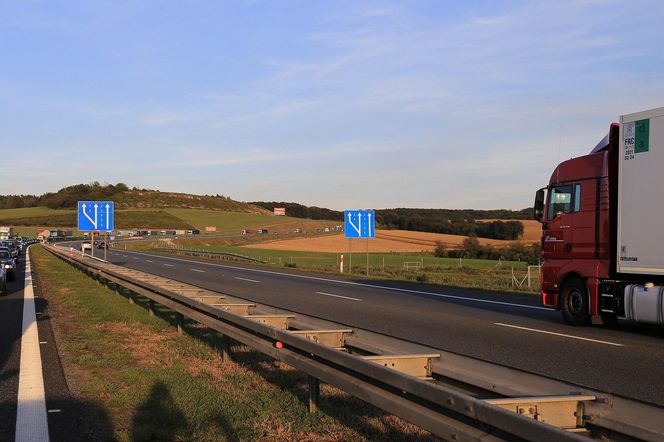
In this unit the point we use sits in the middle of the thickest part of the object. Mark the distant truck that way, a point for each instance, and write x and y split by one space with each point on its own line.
602 240
6 232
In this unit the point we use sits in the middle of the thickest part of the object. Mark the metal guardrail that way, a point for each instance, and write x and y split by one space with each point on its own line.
205 253
417 383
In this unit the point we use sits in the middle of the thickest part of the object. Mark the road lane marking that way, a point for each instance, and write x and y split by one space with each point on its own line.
147 260
246 279
31 420
338 296
196 270
559 334
360 284
169 265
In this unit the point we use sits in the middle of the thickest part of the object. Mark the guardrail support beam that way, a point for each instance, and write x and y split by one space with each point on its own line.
151 307
314 394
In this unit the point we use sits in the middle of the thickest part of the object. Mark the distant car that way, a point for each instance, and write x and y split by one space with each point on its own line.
102 245
8 263
86 246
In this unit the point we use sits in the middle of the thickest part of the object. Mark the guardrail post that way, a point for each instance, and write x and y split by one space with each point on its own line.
314 394
130 296
180 319
225 348
151 307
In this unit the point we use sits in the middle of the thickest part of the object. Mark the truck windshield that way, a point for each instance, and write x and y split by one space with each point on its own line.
4 255
560 201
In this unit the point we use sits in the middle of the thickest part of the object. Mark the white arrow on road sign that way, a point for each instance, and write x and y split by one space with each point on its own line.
359 222
94 222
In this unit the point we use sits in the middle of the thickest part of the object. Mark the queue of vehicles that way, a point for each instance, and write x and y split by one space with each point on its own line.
10 251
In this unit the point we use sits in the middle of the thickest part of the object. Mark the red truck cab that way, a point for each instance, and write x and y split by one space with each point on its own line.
576 232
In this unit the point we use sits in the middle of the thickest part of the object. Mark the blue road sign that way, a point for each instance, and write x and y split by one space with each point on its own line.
96 215
360 224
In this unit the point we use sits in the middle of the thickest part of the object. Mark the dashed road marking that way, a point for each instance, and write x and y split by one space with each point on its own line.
246 279
196 270
169 265
559 334
338 296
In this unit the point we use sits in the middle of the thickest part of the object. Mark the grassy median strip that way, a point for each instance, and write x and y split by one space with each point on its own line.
153 384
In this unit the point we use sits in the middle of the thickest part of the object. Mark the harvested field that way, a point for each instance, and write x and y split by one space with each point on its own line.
385 241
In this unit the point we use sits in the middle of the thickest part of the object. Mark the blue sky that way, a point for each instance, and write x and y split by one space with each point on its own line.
330 103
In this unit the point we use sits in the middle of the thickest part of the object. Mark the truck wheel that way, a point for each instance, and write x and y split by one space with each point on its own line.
574 302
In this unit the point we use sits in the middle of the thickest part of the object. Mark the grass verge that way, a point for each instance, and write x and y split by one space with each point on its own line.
154 384
425 268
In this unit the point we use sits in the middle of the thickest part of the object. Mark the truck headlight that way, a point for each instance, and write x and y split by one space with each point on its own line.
8 266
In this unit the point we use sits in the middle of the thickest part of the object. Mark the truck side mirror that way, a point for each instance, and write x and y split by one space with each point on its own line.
538 210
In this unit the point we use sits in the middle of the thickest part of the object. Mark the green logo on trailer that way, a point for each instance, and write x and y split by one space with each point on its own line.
642 129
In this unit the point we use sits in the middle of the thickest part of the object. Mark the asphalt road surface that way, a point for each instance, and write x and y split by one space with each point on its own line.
504 328
68 419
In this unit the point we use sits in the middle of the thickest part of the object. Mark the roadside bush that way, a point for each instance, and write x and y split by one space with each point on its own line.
440 251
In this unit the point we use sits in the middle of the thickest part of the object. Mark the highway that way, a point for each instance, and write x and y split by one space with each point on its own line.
504 328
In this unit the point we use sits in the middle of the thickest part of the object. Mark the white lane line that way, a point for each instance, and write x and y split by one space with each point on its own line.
246 279
559 334
360 284
31 420
196 270
338 296
147 260
169 265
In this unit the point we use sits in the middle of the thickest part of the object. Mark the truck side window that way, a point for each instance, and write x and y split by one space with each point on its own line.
577 197
560 201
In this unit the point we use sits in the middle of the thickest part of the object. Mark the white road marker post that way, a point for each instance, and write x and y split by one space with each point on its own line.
341 264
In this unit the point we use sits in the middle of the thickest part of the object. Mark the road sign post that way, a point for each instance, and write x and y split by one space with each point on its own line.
95 216
359 224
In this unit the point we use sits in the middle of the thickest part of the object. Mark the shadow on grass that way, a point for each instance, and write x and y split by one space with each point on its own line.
158 418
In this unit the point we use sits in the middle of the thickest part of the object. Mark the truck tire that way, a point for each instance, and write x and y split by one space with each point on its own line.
574 302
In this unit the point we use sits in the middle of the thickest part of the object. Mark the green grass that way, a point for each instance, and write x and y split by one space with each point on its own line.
154 384
228 222
424 267
27 212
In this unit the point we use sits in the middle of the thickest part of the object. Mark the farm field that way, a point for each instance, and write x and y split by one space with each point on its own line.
234 222
27 212
402 241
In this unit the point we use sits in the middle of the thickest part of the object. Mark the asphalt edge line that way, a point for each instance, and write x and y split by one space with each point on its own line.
31 415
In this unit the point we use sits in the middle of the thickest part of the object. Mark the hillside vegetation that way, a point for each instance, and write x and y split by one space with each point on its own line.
125 198
499 224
